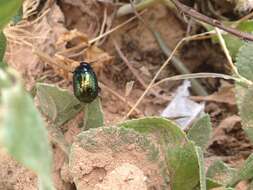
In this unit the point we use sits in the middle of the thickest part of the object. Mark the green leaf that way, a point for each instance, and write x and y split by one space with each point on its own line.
5 80
18 16
210 184
181 156
3 65
246 112
244 95
249 132
220 172
245 173
233 43
57 104
8 8
166 131
183 167
94 116
202 173
201 131
22 131
246 26
244 61
2 46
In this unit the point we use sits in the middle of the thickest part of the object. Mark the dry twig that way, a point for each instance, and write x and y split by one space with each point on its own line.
135 73
216 23
179 66
162 67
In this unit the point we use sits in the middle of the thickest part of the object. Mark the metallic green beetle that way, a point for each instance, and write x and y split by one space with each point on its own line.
85 84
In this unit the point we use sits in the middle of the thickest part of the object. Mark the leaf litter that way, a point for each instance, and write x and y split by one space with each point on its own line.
229 140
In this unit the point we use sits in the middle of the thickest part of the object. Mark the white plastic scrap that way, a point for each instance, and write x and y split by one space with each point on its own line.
182 107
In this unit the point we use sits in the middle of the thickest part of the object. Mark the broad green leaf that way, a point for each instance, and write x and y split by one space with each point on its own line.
201 131
245 173
3 65
244 61
183 167
244 96
220 172
181 156
202 173
166 131
233 43
22 132
240 92
210 184
2 46
57 104
246 26
8 8
18 16
93 115
5 80
246 111
249 132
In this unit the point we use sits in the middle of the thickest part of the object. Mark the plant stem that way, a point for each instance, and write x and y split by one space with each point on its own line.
162 67
202 75
213 22
127 9
93 115
229 58
180 67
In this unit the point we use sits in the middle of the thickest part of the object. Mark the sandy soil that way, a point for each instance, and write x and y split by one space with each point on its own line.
95 164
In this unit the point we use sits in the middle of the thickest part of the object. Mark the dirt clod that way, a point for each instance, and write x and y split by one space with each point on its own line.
112 158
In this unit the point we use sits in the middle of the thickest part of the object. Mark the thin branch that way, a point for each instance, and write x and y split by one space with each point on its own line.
229 58
85 44
102 29
196 76
247 17
135 73
162 67
177 63
113 29
225 49
50 60
127 8
216 23
153 80
180 67
103 86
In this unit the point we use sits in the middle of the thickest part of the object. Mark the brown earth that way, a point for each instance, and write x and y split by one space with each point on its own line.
139 46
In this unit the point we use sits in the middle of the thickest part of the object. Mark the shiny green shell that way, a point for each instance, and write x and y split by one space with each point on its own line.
85 83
